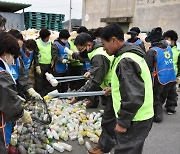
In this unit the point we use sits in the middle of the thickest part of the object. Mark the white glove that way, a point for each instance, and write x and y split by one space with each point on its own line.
38 69
65 61
34 94
87 74
178 80
26 118
69 52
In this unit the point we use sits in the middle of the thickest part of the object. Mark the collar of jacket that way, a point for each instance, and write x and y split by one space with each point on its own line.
130 48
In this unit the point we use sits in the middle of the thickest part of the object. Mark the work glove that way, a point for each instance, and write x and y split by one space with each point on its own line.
69 52
38 69
26 118
178 80
34 94
65 61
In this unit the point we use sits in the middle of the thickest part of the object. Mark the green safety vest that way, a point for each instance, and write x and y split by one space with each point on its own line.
146 111
73 48
45 52
99 51
176 53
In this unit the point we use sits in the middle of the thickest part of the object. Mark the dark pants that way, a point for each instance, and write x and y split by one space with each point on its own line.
107 138
3 149
165 93
132 141
63 86
42 86
76 71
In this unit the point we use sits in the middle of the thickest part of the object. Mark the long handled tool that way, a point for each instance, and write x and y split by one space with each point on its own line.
76 94
55 80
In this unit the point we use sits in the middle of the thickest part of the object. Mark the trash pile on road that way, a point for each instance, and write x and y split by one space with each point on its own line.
56 124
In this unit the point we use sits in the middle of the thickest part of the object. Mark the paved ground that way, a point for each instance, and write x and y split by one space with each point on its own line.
164 138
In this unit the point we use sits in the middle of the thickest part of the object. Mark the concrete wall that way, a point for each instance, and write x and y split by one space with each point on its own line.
153 13
14 20
94 10
146 14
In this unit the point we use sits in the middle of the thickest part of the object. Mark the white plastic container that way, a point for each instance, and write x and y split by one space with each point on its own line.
58 147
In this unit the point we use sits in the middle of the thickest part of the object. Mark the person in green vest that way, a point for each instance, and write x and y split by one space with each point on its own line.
132 93
43 60
100 76
171 37
75 67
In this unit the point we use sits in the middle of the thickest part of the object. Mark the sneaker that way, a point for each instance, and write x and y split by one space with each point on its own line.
170 112
158 115
95 150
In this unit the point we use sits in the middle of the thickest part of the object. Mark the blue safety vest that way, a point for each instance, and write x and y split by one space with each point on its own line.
27 60
60 67
164 67
15 69
87 65
138 42
6 127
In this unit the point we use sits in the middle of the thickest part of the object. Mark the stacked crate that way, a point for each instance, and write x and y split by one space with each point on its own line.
36 20
39 20
55 21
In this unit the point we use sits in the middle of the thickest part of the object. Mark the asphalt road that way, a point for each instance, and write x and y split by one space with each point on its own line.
164 138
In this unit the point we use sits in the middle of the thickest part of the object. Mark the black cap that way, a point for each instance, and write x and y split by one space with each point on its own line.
155 35
134 30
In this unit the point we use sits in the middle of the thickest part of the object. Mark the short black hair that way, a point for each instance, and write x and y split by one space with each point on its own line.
112 30
16 33
172 34
98 31
44 33
31 44
9 44
64 34
82 29
82 39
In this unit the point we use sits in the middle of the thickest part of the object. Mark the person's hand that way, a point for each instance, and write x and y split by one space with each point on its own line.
38 69
65 61
34 94
120 129
73 100
69 52
107 91
26 118
87 74
178 80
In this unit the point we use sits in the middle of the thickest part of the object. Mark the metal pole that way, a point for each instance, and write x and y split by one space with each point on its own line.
70 15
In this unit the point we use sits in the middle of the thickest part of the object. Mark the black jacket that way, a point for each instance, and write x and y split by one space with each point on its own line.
10 104
133 40
132 89
23 81
55 51
100 66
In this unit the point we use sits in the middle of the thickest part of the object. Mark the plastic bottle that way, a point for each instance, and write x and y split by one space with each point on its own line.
51 79
64 136
58 147
88 145
66 146
49 148
22 150
55 135
80 139
41 151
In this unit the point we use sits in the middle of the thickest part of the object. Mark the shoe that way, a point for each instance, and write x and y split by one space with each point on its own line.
158 115
95 150
170 111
